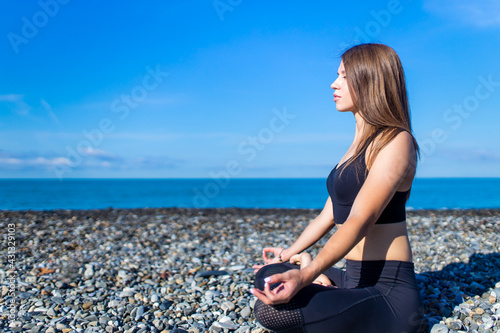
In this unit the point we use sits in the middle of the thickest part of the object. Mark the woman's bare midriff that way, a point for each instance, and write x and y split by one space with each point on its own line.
383 242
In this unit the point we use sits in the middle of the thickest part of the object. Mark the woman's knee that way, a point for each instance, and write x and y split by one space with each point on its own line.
279 318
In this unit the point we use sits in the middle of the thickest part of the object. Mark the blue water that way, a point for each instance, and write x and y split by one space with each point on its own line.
44 194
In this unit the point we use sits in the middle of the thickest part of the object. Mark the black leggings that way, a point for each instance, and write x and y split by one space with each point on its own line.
369 297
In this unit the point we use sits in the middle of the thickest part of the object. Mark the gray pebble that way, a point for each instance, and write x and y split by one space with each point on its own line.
439 328
246 312
30 279
139 312
58 300
227 306
91 318
206 274
165 305
62 285
35 329
25 295
51 313
89 271
60 326
243 329
100 284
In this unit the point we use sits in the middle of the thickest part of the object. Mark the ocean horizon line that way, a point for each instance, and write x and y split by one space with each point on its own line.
209 178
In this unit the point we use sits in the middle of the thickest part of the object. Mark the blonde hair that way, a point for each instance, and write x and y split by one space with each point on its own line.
376 82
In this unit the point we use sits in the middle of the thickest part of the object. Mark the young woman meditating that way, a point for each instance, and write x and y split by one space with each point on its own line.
368 190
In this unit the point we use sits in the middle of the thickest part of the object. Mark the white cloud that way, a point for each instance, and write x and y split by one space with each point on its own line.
16 103
10 161
480 13
96 152
31 162
90 159
61 161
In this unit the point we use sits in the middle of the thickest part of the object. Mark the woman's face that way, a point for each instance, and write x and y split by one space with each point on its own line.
341 96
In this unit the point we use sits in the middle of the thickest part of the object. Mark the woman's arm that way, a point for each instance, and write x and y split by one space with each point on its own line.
391 166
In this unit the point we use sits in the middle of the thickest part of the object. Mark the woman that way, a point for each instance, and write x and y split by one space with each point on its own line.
368 190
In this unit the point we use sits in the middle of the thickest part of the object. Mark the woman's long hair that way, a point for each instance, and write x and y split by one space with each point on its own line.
377 85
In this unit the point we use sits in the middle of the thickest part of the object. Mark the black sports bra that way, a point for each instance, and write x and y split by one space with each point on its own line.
344 186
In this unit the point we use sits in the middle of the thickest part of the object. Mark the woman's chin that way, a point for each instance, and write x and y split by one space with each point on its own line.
343 110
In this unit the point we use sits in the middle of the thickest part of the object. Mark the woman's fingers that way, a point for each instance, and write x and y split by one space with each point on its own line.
261 295
268 296
256 268
295 259
274 250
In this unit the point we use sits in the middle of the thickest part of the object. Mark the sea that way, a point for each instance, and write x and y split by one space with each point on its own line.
307 193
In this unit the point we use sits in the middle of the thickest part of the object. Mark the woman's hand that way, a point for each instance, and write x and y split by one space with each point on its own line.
291 283
276 251
276 258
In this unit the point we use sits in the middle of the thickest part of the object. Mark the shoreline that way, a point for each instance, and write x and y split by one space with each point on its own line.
161 269
481 211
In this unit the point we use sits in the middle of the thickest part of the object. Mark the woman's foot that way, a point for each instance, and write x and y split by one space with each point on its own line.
304 259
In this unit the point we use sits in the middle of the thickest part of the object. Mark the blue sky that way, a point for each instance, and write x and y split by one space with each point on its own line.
233 87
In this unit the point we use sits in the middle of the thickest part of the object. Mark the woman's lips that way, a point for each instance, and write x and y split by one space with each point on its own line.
336 97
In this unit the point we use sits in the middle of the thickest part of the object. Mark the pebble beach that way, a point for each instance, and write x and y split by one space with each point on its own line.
189 270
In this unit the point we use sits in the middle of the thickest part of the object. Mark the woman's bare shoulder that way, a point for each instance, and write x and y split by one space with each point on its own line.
401 147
